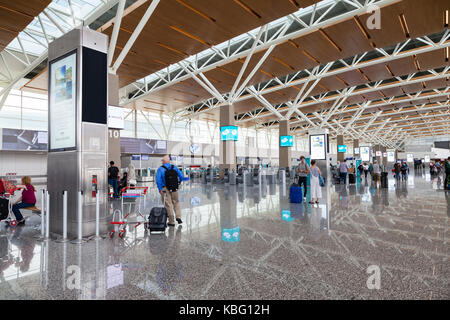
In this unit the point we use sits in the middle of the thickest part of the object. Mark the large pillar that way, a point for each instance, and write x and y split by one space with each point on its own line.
114 134
227 148
284 153
378 153
340 142
384 154
78 148
356 148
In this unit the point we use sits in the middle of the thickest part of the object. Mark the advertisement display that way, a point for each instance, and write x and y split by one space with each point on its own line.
356 150
317 147
116 117
62 103
384 154
17 139
409 157
229 133
286 141
427 159
144 146
365 153
391 156
378 153
342 148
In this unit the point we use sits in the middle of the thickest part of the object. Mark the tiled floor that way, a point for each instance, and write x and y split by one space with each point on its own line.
281 250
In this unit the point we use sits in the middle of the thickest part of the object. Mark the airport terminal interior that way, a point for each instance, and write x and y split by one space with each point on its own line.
224 149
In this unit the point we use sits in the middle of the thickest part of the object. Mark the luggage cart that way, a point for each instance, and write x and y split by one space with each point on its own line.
119 223
9 189
136 196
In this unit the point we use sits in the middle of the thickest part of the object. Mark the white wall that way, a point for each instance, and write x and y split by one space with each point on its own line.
23 163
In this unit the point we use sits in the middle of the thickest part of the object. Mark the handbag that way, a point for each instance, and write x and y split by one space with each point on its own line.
16 197
321 181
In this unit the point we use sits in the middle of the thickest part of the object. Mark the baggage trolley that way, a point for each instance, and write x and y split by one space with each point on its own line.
119 223
129 196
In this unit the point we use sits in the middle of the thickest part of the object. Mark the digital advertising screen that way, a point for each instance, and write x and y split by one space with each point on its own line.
146 146
229 133
427 158
391 156
317 147
18 139
356 150
409 157
62 103
365 153
342 148
286 141
378 153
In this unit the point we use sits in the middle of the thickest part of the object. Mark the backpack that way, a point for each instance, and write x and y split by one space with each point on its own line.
171 178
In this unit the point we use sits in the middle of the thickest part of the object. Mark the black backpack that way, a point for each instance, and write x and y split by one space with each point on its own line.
171 177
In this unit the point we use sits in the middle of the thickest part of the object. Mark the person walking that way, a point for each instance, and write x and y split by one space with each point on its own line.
113 176
397 169
343 170
316 192
376 173
131 176
366 170
303 171
447 174
168 179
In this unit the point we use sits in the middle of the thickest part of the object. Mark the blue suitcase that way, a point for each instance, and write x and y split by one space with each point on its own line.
296 193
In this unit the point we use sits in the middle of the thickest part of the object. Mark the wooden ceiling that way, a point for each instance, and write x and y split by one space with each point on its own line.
179 28
338 41
16 15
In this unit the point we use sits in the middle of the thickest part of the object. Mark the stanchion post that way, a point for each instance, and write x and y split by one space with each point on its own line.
43 214
79 239
97 216
47 216
64 215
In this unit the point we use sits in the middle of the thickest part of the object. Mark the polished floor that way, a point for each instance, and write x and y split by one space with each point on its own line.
241 242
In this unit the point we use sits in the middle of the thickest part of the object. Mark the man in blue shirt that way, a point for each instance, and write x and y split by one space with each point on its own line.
171 197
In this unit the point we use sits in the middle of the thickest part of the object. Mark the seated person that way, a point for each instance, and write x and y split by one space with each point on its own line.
28 199
123 182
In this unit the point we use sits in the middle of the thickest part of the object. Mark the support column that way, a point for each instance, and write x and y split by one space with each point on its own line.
339 142
378 156
384 154
284 153
356 146
227 148
114 134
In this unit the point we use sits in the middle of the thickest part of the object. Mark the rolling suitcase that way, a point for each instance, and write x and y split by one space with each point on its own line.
157 220
351 178
296 194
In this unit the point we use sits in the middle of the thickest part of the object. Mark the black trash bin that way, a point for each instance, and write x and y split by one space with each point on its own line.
384 179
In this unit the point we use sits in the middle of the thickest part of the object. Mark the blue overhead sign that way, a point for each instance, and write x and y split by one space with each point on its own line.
342 148
286 141
228 133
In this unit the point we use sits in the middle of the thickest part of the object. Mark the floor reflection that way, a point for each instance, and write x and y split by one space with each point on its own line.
250 242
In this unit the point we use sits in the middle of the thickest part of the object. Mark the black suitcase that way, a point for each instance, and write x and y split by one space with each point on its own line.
4 210
351 178
157 220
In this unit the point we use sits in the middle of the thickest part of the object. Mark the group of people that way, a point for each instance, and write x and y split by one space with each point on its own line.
401 170
373 169
169 196
303 170
128 179
27 199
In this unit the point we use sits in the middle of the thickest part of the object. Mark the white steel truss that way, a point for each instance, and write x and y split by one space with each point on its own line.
54 19
273 34
331 69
